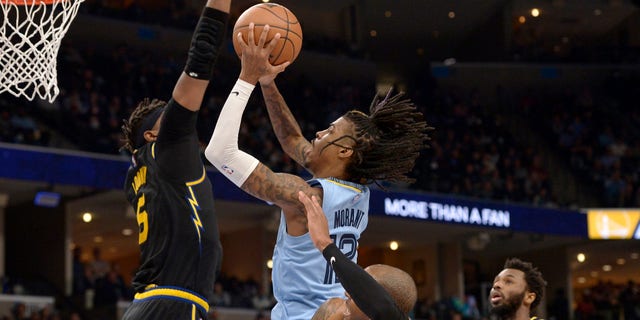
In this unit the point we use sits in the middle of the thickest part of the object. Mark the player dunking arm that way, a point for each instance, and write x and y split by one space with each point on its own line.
355 150
377 292
517 290
169 189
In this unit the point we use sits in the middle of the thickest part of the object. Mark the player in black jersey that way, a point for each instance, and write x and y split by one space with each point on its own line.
169 189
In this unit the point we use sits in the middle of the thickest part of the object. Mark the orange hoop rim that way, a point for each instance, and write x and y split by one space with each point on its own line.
31 2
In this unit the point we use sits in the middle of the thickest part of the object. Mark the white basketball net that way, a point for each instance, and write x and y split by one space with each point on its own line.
30 36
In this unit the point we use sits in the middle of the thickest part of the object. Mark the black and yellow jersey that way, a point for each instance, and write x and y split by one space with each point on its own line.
172 198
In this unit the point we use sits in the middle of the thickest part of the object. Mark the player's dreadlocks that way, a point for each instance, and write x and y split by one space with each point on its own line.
131 127
533 277
388 140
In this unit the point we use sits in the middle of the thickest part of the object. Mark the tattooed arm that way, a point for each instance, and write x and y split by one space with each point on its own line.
282 189
241 168
284 124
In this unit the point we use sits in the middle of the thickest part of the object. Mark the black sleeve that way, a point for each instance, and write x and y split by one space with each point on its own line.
177 148
365 291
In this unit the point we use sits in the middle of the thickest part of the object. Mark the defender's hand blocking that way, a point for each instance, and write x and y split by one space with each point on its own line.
255 56
316 220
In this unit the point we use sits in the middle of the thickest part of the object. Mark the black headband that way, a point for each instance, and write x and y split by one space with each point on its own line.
147 124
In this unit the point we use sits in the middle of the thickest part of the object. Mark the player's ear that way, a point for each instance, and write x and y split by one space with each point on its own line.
529 298
151 135
345 152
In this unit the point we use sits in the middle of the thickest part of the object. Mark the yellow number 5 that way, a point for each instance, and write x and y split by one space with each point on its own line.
143 221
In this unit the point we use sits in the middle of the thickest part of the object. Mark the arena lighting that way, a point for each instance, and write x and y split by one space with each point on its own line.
270 264
393 245
87 217
621 261
535 12
47 199
581 257
606 268
522 19
451 15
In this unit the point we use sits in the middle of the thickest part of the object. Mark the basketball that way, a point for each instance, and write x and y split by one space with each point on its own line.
280 20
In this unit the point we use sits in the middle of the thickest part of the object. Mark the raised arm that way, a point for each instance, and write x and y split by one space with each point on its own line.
192 84
284 124
241 168
177 148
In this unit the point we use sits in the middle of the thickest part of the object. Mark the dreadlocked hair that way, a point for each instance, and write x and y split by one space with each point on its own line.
388 140
130 127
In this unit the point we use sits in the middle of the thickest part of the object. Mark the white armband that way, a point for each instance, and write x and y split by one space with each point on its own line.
222 150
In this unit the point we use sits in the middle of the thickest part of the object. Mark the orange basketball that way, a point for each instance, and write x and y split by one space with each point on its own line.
280 20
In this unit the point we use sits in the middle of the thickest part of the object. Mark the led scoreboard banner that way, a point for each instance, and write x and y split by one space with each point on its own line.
450 209
108 172
613 223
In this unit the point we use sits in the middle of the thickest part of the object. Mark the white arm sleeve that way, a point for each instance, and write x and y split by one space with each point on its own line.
222 150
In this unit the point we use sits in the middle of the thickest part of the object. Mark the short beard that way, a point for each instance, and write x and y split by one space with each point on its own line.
507 309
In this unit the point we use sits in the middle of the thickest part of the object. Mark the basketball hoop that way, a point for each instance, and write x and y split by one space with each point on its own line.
30 35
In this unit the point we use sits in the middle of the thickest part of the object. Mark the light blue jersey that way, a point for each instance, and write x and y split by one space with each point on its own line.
302 278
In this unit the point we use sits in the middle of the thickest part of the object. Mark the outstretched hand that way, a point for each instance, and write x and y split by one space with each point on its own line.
255 56
316 220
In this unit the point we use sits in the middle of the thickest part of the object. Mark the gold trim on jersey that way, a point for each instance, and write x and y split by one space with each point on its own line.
344 185
193 183
193 203
157 292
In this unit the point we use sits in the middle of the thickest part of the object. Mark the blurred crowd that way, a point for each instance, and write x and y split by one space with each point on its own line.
609 301
473 153
593 129
596 131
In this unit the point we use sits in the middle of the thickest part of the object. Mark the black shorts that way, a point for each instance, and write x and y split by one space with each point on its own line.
163 309
167 303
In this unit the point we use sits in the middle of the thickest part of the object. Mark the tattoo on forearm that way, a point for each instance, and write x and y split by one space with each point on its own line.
274 187
284 123
300 152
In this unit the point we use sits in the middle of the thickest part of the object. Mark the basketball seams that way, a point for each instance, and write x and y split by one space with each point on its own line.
238 28
284 38
288 47
286 13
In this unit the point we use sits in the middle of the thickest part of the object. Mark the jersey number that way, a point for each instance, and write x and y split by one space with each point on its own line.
143 221
347 240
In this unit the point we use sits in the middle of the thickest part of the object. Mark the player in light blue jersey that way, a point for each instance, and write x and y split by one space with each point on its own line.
355 150
298 270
